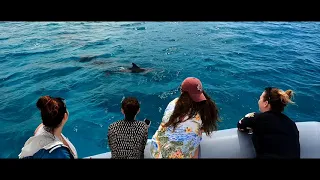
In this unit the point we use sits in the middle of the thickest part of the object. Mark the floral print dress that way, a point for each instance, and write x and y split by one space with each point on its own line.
182 143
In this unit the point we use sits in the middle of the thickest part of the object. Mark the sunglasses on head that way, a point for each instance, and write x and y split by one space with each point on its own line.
63 102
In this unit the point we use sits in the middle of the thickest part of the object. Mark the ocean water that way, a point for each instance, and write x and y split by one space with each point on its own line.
79 61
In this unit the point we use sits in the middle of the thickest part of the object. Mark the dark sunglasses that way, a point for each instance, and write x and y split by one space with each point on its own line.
63 102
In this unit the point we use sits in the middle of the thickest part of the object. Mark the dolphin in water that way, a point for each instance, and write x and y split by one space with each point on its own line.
135 69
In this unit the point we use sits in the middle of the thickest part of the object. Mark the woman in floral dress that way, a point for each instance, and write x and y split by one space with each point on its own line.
184 121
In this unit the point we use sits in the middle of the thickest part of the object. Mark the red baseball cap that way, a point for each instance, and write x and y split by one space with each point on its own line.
193 86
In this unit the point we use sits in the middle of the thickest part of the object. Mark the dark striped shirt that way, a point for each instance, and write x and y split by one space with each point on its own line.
127 139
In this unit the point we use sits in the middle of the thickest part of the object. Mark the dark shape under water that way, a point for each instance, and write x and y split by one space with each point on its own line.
90 58
140 28
87 58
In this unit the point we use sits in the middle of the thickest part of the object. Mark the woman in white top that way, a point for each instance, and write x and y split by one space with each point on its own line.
48 140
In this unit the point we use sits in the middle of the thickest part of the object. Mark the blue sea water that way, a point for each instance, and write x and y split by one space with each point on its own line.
76 60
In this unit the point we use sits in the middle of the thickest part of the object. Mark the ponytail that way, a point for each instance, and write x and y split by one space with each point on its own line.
286 96
279 99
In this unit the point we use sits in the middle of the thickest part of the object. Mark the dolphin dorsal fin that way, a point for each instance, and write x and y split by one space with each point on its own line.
134 65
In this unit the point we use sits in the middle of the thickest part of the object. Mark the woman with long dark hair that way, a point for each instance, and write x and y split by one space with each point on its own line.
184 121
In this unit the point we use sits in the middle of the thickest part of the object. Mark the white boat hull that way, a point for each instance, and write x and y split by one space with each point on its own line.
230 143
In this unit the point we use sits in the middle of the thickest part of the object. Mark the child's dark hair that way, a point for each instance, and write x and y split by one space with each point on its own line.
130 106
